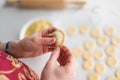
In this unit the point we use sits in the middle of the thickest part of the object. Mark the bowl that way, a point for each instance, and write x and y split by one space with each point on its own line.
33 26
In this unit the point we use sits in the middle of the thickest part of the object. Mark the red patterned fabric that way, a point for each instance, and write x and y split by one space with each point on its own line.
13 69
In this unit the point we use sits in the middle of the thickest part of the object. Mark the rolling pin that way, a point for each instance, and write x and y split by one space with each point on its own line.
45 3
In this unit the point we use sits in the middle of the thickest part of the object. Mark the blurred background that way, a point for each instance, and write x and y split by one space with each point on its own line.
13 18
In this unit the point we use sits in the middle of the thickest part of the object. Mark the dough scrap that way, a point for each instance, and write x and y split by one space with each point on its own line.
112 61
102 41
96 33
110 50
77 51
84 29
87 65
60 37
117 73
98 54
93 76
112 78
109 31
87 55
100 68
72 31
89 45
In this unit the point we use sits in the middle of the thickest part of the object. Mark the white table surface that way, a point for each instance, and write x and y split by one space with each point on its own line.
12 20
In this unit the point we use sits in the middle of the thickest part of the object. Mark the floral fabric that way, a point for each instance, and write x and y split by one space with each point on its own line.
13 69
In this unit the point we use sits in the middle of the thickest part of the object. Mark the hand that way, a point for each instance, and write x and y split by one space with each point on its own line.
35 45
64 71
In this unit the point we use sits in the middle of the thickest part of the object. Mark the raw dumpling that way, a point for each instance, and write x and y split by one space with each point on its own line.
60 37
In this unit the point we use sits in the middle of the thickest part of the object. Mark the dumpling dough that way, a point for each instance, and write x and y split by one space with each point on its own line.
93 76
112 61
89 45
37 26
60 37
100 68
72 31
115 40
98 54
109 31
111 50
96 33
87 55
77 51
84 29
102 41
88 64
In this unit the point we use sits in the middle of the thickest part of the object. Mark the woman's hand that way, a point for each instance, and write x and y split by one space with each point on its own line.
35 45
65 70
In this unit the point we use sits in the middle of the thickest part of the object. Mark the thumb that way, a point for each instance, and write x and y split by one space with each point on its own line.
54 56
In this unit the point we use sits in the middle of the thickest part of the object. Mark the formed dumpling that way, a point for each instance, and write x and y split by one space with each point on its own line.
60 37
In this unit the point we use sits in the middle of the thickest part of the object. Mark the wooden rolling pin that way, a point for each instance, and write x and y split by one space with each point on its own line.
46 3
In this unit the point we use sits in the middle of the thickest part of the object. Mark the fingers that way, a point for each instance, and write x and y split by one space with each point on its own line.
47 41
45 33
70 57
67 51
54 56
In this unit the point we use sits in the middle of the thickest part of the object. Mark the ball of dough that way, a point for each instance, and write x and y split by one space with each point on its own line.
96 33
93 76
110 50
72 31
109 31
87 55
102 41
98 54
112 61
112 78
84 29
87 64
100 68
77 51
60 37
89 45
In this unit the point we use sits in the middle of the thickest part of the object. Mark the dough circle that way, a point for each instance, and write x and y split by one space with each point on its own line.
93 76
100 68
72 31
110 50
112 61
102 41
89 45
87 55
109 31
115 40
77 51
60 37
98 54
96 33
84 29
87 65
